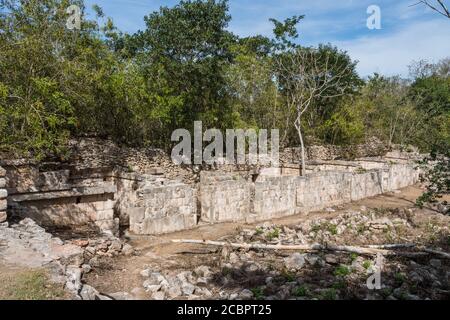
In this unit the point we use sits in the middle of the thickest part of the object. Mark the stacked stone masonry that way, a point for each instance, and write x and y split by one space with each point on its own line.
149 204
164 209
3 195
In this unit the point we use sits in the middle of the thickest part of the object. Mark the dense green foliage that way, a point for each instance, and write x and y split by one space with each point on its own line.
184 66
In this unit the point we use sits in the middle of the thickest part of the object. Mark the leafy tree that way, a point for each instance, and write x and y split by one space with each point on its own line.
184 53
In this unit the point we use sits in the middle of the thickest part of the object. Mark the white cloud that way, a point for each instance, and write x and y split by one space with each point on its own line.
391 54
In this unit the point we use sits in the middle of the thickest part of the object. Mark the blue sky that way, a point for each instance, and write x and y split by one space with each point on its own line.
408 32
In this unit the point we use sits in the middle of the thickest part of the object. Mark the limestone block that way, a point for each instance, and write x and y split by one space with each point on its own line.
3 216
2 182
3 193
136 215
104 215
166 224
3 205
108 226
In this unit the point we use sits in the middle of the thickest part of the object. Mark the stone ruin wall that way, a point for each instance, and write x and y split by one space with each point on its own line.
3 195
229 198
150 204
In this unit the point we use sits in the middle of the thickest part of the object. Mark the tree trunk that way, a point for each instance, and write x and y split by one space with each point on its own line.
298 126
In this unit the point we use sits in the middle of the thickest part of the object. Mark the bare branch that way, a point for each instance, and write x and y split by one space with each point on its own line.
440 7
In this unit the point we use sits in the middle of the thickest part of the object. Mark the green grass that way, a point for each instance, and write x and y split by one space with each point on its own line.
301 291
273 235
329 294
339 285
342 271
258 293
332 228
367 264
29 285
399 278
290 277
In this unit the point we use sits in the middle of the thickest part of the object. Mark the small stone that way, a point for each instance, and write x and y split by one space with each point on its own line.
295 261
95 262
73 274
158 295
90 250
314 260
202 282
234 296
436 263
122 296
234 258
331 259
139 293
203 271
88 293
174 291
81 243
203 292
246 294
252 268
187 288
146 273
151 287
115 247
127 250
86 268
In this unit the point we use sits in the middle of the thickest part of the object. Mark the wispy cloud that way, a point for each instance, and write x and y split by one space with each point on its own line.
392 53
409 32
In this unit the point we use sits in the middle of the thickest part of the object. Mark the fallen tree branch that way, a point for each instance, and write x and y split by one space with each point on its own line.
301 247
437 252
393 246
386 250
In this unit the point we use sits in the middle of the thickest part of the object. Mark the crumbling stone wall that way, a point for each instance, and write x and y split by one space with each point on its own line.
229 198
163 209
320 190
368 184
105 197
224 197
61 196
3 195
274 197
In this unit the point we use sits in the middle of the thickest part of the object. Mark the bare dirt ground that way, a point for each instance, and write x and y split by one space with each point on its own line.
256 274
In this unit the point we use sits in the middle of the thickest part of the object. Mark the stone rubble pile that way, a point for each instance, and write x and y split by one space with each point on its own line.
241 274
28 245
358 226
190 284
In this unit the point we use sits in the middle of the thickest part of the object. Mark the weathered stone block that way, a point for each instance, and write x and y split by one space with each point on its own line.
104 215
2 182
136 215
3 216
3 205
108 226
166 225
3 193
